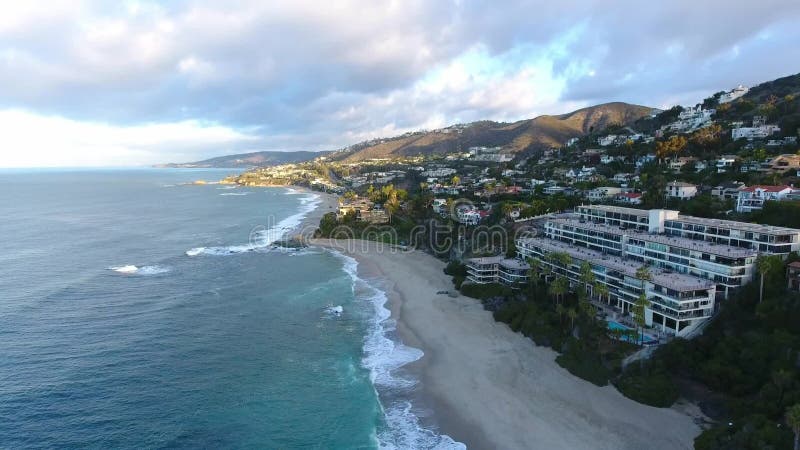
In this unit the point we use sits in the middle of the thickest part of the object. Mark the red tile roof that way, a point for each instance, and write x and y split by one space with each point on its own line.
765 188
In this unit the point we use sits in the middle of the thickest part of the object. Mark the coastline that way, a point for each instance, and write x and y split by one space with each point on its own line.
308 225
489 387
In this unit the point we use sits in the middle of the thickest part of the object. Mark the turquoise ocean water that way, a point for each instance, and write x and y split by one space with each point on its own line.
136 311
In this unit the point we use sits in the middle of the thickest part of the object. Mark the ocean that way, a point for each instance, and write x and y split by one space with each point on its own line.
139 311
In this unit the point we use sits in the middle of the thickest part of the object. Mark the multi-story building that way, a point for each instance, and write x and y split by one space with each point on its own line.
602 193
761 238
497 269
678 302
729 267
752 198
722 251
680 190
733 94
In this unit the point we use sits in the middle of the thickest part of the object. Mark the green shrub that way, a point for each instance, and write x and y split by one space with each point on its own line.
651 388
584 364
484 291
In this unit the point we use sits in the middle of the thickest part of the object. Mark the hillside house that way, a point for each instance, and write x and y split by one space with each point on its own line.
752 198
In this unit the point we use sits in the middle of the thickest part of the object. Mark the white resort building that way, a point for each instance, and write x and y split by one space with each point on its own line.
693 260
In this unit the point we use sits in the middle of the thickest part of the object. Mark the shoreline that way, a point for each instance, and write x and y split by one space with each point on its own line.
489 387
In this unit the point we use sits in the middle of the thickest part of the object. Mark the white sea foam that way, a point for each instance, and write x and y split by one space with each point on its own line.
144 270
226 187
382 357
236 193
264 238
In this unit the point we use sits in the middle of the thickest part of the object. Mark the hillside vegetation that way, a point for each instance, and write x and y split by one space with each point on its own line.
519 137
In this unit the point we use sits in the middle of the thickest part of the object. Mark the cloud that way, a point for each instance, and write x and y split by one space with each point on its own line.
308 75
31 140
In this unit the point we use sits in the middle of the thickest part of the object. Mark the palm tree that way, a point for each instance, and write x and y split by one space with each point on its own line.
560 311
572 314
793 420
638 313
600 289
643 274
533 272
558 288
766 264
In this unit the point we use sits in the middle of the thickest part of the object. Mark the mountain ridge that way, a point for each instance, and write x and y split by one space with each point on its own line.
250 160
518 137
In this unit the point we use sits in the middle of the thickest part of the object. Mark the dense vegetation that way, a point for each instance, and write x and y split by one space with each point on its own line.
749 360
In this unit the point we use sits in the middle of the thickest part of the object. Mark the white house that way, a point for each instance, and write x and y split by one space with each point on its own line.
733 94
605 141
725 162
607 159
759 130
552 190
622 177
752 198
440 206
602 193
630 198
680 190
467 215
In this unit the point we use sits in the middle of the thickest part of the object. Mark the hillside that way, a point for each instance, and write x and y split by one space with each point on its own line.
519 137
248 160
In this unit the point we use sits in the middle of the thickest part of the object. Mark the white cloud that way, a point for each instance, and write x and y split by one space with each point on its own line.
301 74
31 140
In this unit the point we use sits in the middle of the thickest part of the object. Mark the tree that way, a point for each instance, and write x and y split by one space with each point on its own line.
456 180
643 274
793 420
638 311
587 282
766 264
601 290
558 288
572 314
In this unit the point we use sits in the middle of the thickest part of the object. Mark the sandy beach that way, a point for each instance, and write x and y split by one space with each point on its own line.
328 203
492 388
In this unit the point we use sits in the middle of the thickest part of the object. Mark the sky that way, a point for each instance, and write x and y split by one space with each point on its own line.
116 83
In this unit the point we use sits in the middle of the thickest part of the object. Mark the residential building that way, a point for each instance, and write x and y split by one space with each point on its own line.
726 162
605 141
691 259
727 191
497 269
467 215
761 238
680 190
630 198
363 209
759 130
728 266
752 198
602 193
733 94
678 302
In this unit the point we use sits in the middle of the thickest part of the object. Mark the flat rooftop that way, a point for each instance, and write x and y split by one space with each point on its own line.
734 225
675 281
617 209
676 241
486 259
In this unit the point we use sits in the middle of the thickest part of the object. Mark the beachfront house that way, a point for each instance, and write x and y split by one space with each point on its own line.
497 269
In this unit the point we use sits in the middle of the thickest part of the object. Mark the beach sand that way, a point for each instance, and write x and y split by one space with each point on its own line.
328 203
495 389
